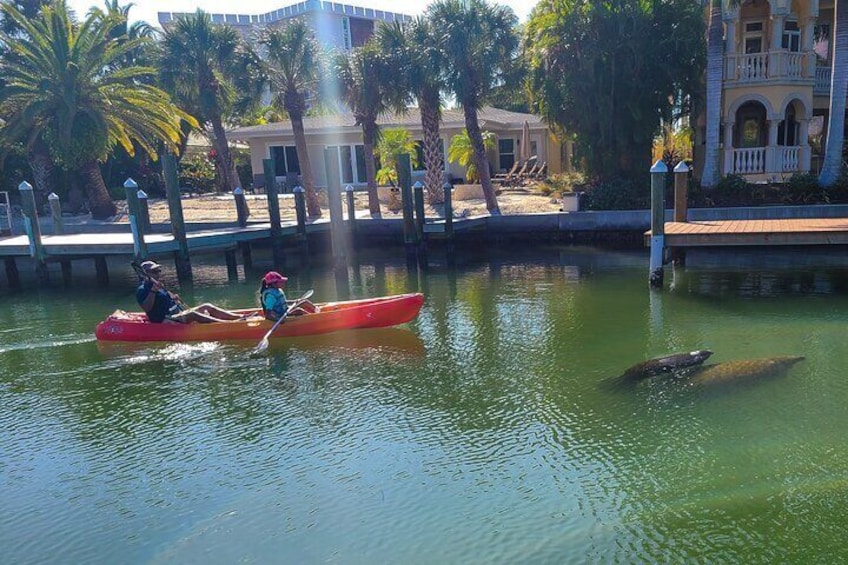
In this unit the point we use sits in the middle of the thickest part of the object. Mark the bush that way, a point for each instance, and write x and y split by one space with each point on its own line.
803 188
198 172
558 184
838 192
622 194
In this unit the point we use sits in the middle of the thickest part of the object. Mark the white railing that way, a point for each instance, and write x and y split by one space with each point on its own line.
789 159
749 161
822 84
752 67
793 64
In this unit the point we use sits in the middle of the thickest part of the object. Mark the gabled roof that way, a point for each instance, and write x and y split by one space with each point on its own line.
489 118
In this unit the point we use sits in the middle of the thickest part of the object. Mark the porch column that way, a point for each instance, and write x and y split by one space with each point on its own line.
730 42
805 154
728 148
773 162
776 30
807 26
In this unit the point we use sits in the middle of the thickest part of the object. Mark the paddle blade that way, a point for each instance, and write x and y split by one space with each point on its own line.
260 347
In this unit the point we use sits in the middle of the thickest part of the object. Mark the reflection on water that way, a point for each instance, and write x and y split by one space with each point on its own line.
480 432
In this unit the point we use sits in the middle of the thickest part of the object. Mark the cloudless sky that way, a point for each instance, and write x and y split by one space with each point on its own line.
146 10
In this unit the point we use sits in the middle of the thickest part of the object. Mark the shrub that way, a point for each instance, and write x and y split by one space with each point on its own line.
838 192
621 194
558 184
197 171
803 188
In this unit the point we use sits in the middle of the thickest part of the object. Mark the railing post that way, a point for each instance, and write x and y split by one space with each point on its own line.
410 235
182 259
300 213
33 230
136 222
272 194
658 172
56 213
351 212
241 206
143 210
681 180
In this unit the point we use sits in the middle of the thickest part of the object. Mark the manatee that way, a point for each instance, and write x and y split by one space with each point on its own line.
742 371
665 364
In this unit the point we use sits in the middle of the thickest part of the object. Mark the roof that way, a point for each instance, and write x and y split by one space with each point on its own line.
489 118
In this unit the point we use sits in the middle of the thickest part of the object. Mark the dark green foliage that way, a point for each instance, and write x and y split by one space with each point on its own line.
197 172
803 188
611 70
616 194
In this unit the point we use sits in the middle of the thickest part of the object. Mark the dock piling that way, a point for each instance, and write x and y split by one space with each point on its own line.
182 260
658 172
143 210
56 213
300 214
334 196
241 206
681 178
410 233
448 207
33 230
136 220
272 193
351 213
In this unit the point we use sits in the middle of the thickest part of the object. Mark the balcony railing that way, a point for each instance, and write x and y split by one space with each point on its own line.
768 160
822 84
749 161
777 64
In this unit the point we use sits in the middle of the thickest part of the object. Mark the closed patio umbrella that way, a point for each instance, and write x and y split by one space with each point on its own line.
524 149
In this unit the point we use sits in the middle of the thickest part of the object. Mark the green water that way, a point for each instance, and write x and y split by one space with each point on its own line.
486 431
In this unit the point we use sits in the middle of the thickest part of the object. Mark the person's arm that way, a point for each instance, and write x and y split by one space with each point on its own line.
149 299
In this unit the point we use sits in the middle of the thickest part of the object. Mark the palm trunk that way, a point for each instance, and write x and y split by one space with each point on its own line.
433 162
715 60
99 200
313 207
832 166
480 160
369 137
42 167
225 159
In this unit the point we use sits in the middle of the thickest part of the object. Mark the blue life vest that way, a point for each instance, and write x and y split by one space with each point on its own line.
273 303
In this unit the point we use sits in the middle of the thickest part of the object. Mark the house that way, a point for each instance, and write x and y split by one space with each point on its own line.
778 57
338 26
340 130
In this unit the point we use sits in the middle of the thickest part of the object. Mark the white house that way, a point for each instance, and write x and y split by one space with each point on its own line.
339 26
339 130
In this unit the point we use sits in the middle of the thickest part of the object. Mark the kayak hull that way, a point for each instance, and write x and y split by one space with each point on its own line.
379 312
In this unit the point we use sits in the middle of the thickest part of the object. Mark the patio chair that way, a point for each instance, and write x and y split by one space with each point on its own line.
542 171
506 178
524 173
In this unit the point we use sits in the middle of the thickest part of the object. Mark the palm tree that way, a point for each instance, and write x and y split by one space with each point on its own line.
832 165
66 88
293 70
479 42
211 72
416 50
462 151
367 82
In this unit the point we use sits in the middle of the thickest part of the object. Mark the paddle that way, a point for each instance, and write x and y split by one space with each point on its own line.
263 345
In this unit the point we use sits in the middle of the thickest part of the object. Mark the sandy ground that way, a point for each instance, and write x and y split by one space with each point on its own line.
211 208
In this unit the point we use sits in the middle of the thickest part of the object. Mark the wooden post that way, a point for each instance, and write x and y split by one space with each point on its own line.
136 221
143 210
56 213
418 198
12 275
33 230
681 178
232 264
351 213
182 259
274 212
300 213
410 235
658 172
448 189
241 206
101 271
334 196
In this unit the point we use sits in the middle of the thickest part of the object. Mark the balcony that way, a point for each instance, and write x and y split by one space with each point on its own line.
822 84
770 160
778 65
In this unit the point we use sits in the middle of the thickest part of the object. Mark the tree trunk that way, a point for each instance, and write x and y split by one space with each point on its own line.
369 136
313 207
480 160
433 161
832 166
715 61
99 200
42 167
229 179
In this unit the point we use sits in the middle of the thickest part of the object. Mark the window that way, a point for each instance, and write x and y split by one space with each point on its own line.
506 154
787 131
359 151
753 37
285 160
534 150
791 36
346 163
419 156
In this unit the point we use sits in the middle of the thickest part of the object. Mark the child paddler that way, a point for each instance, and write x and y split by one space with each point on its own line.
272 298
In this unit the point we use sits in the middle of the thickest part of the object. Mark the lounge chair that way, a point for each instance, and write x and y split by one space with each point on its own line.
507 178
542 171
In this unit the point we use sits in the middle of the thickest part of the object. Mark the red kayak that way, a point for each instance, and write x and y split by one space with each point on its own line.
330 317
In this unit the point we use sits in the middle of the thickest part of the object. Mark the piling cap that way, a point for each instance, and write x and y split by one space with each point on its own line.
681 167
659 167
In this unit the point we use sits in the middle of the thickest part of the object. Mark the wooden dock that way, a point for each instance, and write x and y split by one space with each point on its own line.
728 233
